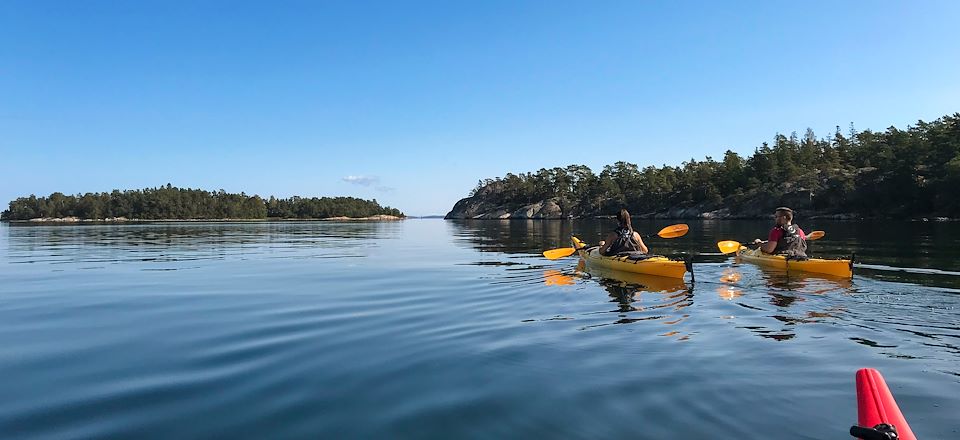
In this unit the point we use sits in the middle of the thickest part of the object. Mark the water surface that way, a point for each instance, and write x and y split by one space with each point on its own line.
434 329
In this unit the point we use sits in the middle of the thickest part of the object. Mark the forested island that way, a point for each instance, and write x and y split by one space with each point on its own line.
898 174
172 203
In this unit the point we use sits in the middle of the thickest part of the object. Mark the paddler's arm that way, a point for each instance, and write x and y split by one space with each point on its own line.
643 247
765 246
768 246
605 245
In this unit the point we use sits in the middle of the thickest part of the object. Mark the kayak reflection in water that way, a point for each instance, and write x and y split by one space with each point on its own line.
623 239
785 238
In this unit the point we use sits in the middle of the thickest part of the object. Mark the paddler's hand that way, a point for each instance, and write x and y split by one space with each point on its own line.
757 241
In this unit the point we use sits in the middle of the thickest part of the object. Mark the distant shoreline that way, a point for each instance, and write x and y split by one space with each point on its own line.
390 218
839 218
77 220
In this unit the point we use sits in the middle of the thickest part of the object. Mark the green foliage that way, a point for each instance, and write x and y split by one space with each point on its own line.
169 202
325 207
895 173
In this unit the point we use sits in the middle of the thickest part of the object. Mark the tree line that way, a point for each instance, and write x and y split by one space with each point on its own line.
170 202
893 173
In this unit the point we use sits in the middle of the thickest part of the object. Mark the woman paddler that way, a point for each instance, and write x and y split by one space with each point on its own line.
622 239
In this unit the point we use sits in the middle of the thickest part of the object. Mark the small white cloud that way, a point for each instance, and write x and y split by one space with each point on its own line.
362 180
373 181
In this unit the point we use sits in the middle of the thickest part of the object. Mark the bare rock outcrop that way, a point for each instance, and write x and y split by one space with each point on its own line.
479 207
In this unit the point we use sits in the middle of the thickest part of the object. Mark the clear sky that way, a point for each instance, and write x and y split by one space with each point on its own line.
411 102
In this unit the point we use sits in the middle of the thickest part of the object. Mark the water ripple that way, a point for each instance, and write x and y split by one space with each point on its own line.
430 329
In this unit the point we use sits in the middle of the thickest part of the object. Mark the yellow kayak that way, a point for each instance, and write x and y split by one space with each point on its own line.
646 283
837 268
660 266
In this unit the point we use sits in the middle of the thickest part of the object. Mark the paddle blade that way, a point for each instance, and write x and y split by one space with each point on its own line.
815 235
674 231
554 254
728 246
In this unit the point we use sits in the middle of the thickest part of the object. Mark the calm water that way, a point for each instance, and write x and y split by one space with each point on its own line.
433 329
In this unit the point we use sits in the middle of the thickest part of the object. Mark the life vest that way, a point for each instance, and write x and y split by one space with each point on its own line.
791 243
624 242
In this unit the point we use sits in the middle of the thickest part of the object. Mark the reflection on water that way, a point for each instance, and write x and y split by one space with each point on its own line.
554 277
629 280
433 329
637 297
177 242
729 292
512 236
730 275
915 245
728 278
784 301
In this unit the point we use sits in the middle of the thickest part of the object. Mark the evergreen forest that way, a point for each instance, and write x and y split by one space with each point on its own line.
896 173
170 202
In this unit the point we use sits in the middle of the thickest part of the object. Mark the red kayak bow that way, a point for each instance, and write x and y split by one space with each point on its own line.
878 416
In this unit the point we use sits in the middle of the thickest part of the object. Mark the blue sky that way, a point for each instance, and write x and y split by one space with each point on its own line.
412 102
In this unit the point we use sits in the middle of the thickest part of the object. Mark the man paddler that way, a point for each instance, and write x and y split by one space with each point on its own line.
785 238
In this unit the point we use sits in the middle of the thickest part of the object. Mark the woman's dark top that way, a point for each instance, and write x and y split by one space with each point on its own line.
624 242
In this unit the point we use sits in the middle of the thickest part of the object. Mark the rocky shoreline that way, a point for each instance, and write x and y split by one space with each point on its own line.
374 218
478 208
75 220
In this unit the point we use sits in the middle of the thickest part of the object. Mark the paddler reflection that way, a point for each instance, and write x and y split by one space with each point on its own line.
635 282
727 290
626 289
792 295
803 283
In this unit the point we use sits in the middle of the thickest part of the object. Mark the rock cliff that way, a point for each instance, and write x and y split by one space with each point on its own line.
757 204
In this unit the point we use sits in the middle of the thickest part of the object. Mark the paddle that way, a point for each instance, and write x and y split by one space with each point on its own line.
730 246
672 231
